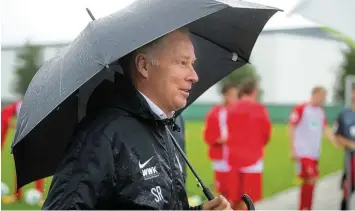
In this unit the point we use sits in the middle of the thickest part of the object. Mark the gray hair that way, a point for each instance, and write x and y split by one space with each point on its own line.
150 49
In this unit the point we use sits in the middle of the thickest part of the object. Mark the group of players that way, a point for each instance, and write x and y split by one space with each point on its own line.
7 119
238 130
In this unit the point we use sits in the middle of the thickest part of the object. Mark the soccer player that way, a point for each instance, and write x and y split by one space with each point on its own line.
7 114
249 129
307 123
344 128
215 135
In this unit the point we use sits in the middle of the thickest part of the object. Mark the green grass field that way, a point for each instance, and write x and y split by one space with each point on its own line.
279 170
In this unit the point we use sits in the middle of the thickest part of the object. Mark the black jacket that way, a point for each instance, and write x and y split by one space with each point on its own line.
180 138
121 157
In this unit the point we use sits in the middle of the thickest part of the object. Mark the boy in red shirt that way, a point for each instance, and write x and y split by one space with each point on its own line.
249 130
7 114
307 124
215 135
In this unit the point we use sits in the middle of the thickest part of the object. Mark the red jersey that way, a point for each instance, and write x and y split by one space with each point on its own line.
7 113
214 130
249 130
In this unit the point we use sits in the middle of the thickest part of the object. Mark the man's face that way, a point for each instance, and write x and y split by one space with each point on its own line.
320 97
230 96
173 74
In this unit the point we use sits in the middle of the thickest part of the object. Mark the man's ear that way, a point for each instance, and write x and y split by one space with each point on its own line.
141 64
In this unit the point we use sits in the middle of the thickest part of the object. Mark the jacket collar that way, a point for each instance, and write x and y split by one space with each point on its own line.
159 112
123 95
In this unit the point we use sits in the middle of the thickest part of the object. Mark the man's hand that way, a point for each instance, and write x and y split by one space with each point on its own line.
221 141
331 137
218 203
335 142
293 155
352 146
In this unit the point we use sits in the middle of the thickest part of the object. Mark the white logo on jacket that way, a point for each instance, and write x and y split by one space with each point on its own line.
149 172
156 191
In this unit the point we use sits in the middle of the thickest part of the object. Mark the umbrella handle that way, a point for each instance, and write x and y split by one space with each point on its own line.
248 201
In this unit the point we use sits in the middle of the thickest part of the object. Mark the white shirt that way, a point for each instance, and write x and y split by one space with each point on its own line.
309 122
158 111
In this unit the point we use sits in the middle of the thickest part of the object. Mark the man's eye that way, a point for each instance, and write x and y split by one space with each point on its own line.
184 63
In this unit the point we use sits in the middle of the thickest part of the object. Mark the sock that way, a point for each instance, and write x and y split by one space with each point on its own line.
19 194
306 196
343 204
19 191
344 201
39 185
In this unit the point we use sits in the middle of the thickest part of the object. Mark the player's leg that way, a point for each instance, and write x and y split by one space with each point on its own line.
221 170
217 180
345 182
222 183
309 175
2 143
16 195
234 188
40 185
40 188
18 192
251 185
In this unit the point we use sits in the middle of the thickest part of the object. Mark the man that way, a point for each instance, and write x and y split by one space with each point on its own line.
215 135
307 123
121 156
7 114
249 130
344 128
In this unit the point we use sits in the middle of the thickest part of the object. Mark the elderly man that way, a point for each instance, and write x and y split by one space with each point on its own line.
122 156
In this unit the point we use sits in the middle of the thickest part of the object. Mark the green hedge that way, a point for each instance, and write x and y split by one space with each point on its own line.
278 113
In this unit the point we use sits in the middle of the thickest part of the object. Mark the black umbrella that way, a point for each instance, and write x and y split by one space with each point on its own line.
223 34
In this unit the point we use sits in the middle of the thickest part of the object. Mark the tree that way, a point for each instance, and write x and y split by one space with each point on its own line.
28 61
348 68
240 75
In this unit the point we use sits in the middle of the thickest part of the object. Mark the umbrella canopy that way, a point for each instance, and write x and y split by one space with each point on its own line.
223 34
336 14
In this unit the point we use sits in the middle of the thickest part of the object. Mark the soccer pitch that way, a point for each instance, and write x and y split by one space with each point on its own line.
279 171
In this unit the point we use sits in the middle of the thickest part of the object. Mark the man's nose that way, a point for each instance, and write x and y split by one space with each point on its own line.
193 77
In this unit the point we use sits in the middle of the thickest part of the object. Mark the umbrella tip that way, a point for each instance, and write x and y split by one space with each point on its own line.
90 14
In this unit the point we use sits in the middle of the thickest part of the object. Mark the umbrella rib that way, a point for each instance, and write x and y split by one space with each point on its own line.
244 60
